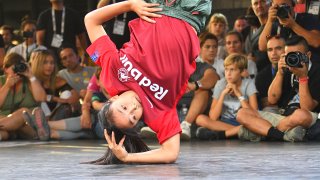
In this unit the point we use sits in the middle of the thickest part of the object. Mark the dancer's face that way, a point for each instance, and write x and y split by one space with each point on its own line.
127 109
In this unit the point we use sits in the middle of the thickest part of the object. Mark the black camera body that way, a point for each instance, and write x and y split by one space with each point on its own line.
295 59
20 67
27 34
283 11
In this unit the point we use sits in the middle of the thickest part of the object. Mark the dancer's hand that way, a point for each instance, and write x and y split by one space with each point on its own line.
144 10
118 150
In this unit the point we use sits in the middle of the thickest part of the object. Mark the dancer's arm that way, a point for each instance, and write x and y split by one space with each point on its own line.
167 153
96 18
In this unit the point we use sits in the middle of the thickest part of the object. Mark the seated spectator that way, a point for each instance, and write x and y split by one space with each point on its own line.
230 94
218 25
44 67
28 28
234 44
85 126
20 91
290 24
76 75
7 34
299 86
275 49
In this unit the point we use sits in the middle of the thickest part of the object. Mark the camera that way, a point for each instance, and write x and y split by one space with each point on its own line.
27 34
283 11
295 59
20 67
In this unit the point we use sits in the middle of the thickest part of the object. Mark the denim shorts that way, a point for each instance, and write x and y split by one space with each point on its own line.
231 121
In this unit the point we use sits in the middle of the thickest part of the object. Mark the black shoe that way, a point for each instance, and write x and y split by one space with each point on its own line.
206 134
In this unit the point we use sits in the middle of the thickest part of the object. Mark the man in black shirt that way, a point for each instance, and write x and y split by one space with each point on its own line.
60 25
302 102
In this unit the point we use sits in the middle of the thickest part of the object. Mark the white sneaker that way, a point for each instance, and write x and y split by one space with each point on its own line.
147 133
186 131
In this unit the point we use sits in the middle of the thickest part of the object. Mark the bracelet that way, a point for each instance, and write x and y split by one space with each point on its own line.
241 98
304 79
32 79
197 85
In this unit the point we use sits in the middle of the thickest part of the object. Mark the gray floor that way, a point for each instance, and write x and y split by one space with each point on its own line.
201 160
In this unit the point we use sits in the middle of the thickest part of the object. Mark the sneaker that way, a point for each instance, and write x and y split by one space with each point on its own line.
294 135
206 134
147 133
245 134
39 123
186 132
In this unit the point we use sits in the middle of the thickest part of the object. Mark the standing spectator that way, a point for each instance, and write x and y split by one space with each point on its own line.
60 24
28 29
230 94
289 24
76 75
7 34
275 49
117 28
218 25
260 10
241 25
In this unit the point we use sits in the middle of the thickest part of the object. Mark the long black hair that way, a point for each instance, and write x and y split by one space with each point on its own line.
133 142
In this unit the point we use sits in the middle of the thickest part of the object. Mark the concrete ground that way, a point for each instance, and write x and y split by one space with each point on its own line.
231 159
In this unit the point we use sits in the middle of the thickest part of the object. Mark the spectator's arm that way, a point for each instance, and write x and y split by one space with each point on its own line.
209 79
275 89
306 100
40 36
83 42
1 57
102 3
85 119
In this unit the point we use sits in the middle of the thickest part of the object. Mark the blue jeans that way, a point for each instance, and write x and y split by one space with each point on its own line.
231 121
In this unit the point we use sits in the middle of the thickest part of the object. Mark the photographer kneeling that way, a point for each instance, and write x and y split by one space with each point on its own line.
284 21
297 83
20 91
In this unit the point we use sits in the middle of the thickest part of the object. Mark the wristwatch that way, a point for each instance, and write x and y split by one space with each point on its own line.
198 84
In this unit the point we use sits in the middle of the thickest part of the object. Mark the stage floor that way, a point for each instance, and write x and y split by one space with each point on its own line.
230 159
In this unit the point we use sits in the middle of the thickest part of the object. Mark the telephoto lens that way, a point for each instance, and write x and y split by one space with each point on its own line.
283 11
20 67
295 59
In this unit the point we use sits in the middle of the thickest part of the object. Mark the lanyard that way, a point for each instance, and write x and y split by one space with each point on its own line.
124 14
54 20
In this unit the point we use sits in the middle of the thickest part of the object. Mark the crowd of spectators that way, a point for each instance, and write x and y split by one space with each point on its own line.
247 84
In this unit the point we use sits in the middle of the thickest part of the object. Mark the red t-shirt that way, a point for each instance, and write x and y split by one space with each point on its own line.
156 63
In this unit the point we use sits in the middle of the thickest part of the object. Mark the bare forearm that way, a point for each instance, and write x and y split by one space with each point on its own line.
4 92
95 19
275 89
167 153
306 100
312 37
216 109
263 36
38 92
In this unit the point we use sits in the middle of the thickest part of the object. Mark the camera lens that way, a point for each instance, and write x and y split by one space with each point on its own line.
283 11
20 67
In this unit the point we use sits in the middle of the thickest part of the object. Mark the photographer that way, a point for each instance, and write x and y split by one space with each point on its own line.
20 91
297 81
282 20
28 28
